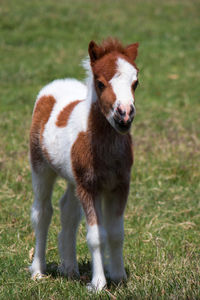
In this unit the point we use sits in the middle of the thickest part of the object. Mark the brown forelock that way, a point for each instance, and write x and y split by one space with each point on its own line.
64 115
110 45
97 155
110 50
41 115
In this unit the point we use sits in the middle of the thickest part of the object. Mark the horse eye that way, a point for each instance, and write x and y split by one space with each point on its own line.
100 85
135 84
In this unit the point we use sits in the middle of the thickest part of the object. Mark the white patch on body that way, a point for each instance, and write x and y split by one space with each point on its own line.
64 90
59 140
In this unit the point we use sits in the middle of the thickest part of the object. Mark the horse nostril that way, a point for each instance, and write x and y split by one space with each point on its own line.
121 111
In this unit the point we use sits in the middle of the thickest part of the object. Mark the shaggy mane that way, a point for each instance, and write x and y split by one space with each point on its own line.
111 44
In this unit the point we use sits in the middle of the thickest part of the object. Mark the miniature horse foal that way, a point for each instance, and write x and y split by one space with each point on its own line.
82 134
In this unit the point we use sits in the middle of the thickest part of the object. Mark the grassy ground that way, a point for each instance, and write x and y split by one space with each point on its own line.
43 40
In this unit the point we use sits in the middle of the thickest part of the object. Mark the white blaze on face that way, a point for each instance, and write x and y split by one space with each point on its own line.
122 81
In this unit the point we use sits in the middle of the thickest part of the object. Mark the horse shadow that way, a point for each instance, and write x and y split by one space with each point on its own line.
85 274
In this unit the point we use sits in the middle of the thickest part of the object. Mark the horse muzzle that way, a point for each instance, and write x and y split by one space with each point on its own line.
123 117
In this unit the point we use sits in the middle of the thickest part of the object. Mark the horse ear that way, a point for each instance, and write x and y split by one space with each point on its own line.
94 51
132 51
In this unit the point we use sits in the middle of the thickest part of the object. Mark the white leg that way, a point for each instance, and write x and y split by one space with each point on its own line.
96 238
41 217
70 218
114 225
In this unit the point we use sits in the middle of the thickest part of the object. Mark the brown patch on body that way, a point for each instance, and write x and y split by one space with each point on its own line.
101 159
64 115
41 116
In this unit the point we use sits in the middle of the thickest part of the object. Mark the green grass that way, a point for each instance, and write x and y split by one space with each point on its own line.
44 40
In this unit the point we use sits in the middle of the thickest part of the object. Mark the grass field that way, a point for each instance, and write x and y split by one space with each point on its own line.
44 40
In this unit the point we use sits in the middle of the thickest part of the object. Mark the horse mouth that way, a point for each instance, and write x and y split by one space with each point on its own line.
121 126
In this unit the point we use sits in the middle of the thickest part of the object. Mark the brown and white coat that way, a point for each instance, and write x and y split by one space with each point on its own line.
81 133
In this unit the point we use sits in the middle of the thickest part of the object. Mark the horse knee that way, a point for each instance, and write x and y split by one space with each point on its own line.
115 237
41 214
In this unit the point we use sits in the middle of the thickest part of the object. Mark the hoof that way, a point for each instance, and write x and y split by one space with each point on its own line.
96 287
37 276
68 272
119 278
37 273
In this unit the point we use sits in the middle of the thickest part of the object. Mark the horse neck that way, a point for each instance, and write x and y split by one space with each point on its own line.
101 131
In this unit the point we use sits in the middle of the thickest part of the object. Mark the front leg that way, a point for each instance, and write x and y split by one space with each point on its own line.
96 237
114 205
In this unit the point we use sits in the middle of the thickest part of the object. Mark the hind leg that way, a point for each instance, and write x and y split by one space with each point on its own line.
70 218
41 216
